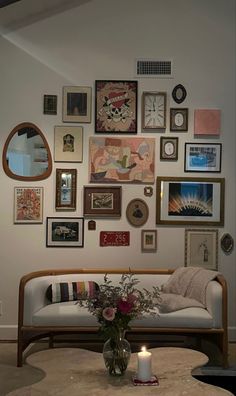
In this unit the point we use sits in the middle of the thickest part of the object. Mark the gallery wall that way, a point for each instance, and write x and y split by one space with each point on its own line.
100 40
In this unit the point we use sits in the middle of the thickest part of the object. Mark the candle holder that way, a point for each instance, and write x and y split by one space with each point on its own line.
153 381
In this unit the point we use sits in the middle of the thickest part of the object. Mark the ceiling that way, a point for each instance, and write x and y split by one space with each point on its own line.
22 13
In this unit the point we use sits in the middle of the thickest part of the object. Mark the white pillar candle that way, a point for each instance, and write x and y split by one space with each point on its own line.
144 365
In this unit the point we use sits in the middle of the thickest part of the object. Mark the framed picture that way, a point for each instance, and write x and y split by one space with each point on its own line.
169 148
202 157
149 240
185 200
201 248
179 120
65 232
115 106
179 93
77 104
137 212
227 243
66 189
50 104
154 110
207 122
121 160
28 205
68 144
102 201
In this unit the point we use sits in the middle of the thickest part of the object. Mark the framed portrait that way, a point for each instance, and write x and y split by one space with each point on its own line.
66 180
202 157
179 119
77 104
115 106
121 160
169 148
68 144
28 205
65 232
201 248
102 201
137 212
185 200
50 104
149 240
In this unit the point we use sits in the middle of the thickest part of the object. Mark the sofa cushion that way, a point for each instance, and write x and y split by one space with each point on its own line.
69 291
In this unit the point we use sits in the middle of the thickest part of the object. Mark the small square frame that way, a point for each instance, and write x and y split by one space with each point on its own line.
77 104
149 241
102 201
50 104
66 180
65 232
28 205
179 119
172 155
201 248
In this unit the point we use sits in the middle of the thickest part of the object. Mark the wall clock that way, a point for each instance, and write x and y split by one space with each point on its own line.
169 148
154 110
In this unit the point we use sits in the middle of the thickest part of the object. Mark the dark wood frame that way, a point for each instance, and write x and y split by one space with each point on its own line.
163 155
173 126
94 212
66 243
59 204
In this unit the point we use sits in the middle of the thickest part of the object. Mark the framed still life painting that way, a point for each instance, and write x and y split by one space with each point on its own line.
28 205
115 106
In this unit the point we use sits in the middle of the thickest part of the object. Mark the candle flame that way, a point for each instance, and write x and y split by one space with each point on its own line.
143 349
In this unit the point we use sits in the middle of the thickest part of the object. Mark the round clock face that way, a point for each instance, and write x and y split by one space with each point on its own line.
169 148
154 111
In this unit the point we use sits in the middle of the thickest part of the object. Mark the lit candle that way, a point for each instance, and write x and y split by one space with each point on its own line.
144 365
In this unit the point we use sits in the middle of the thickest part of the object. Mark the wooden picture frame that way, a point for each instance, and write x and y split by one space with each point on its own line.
193 201
149 241
66 182
179 119
116 106
169 148
77 103
137 212
28 205
68 144
65 232
202 157
201 248
50 104
179 93
102 201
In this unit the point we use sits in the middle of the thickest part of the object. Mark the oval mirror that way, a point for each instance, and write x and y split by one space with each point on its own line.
26 154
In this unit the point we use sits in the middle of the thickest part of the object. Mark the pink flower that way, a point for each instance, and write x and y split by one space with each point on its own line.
125 306
109 313
132 298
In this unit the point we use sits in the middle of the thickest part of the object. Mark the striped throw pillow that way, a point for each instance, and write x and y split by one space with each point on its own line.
71 291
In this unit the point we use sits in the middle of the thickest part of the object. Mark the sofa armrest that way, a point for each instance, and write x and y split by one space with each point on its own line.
214 298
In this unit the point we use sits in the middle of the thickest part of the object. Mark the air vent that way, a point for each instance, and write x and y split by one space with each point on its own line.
154 68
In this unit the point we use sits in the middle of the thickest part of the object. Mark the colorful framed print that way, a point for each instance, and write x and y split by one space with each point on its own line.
179 120
169 148
185 200
115 106
201 248
149 241
77 104
137 212
66 180
102 201
28 205
50 104
121 160
202 157
68 144
65 232
207 122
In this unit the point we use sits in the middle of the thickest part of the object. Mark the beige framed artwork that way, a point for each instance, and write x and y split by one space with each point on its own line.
149 241
68 144
77 104
201 248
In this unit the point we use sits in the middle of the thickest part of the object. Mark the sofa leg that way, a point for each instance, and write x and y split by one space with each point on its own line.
19 350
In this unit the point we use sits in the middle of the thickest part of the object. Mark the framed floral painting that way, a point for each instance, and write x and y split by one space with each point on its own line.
28 205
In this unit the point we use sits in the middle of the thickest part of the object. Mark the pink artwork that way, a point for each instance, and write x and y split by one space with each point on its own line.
207 122
121 160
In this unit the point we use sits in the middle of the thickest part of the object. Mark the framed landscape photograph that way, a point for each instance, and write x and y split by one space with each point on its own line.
201 248
115 106
68 144
202 157
77 104
179 119
185 200
102 201
65 232
28 205
66 180
149 240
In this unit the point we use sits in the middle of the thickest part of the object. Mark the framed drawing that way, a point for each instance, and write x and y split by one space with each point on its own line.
201 248
65 232
66 189
137 212
202 157
169 148
121 160
77 104
179 120
183 200
153 110
50 104
149 240
68 144
115 106
28 205
102 201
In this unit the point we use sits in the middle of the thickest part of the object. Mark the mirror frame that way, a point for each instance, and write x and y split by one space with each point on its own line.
6 168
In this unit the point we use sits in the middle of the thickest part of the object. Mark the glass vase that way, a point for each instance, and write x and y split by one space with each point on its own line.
116 354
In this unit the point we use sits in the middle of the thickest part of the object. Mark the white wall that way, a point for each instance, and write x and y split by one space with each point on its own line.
101 40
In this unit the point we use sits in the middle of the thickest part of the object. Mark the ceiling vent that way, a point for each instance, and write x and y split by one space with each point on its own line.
154 68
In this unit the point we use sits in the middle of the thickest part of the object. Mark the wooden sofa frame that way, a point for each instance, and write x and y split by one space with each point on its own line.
28 334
